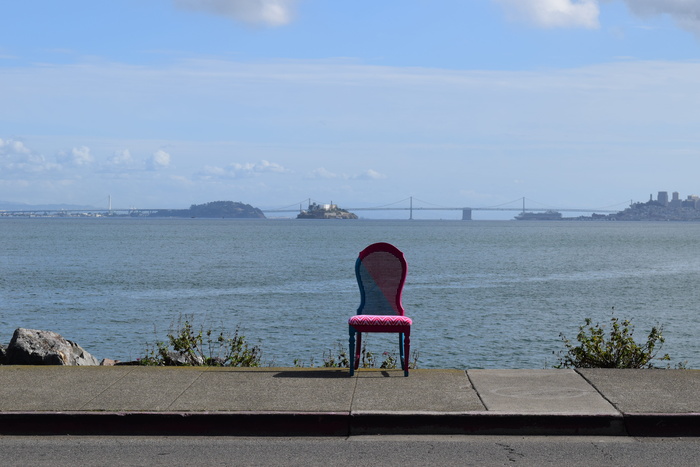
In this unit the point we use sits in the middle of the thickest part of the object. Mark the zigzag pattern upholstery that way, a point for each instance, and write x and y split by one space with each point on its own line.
381 271
380 320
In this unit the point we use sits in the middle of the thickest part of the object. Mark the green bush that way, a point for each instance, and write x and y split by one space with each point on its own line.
617 349
339 358
187 347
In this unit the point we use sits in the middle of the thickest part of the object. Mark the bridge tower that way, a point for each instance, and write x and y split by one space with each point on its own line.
466 214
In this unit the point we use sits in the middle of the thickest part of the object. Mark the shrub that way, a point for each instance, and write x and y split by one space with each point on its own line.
339 358
203 348
618 349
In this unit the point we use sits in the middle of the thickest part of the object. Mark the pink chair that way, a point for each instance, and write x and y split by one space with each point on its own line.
381 272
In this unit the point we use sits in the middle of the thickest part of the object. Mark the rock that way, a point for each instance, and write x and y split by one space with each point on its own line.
3 354
34 347
180 359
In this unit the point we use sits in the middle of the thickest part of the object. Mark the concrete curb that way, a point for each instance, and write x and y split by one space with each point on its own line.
175 424
663 424
484 423
343 424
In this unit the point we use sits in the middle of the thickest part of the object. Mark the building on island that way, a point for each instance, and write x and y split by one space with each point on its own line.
325 211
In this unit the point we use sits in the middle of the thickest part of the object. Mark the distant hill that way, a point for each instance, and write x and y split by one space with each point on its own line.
214 209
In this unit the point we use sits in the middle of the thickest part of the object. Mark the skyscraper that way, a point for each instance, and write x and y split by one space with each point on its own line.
675 201
663 198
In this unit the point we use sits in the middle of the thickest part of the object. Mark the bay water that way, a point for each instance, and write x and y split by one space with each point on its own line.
482 294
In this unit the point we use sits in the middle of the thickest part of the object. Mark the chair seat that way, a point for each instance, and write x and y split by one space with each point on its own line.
380 321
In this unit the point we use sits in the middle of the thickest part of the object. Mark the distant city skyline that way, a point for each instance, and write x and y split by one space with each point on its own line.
676 199
170 103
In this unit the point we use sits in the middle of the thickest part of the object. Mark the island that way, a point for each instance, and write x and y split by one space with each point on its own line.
325 211
214 209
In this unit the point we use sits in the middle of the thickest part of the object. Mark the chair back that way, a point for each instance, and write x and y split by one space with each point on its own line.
381 272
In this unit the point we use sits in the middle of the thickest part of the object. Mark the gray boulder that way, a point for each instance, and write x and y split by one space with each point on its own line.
34 347
181 359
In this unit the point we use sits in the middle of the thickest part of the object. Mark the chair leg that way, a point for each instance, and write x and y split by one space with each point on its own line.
358 350
401 356
351 355
406 352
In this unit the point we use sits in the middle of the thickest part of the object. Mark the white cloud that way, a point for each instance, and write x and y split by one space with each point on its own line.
237 170
15 158
122 162
265 166
554 13
159 160
265 12
76 157
322 172
370 174
586 13
217 171
12 147
121 158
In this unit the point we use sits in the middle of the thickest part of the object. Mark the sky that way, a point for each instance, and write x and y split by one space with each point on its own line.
363 103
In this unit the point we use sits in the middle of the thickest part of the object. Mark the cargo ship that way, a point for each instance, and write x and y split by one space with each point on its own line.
539 216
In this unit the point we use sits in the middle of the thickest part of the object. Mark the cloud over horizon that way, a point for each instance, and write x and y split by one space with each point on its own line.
75 157
256 12
586 13
557 116
554 13
159 160
686 13
323 173
17 159
370 174
237 170
539 13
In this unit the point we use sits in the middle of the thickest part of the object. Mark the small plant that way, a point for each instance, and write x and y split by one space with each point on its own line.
192 347
339 358
340 361
389 361
617 349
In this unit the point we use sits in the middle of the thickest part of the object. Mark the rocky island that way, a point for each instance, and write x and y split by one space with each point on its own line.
325 211
214 209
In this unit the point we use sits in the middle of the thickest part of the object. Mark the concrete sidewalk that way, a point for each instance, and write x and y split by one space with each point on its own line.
288 401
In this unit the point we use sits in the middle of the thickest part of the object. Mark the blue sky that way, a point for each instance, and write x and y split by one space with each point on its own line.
168 103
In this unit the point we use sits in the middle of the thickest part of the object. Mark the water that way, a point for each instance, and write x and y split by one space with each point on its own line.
483 294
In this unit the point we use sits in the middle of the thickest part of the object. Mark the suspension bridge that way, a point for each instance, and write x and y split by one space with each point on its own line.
409 204
466 211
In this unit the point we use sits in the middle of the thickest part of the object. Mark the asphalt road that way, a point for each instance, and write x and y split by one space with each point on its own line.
356 451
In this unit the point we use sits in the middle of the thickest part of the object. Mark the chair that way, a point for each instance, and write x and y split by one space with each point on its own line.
381 272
